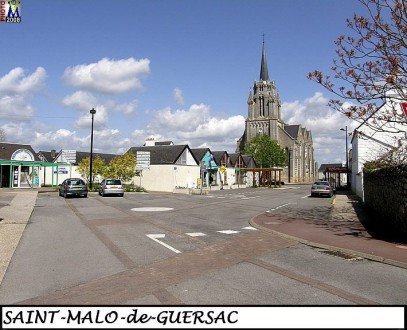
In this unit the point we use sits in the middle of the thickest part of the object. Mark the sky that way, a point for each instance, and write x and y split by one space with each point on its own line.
178 70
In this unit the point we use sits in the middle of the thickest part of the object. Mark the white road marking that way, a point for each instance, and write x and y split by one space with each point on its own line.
196 234
155 238
151 209
249 228
305 196
228 232
278 207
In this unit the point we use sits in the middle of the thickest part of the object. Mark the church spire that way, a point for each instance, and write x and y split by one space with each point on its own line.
264 73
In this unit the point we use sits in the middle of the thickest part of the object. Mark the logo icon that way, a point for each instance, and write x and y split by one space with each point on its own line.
10 11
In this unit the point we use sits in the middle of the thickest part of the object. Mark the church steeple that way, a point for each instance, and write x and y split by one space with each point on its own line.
264 73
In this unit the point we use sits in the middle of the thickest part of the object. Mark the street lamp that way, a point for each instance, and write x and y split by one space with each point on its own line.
92 112
347 161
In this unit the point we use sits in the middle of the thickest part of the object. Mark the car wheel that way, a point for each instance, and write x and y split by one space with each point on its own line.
121 195
65 195
86 195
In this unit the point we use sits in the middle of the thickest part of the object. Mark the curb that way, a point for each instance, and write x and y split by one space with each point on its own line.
330 247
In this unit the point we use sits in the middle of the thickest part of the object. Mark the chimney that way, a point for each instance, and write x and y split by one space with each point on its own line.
53 153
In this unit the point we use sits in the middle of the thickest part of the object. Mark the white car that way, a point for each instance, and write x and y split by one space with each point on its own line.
111 187
321 188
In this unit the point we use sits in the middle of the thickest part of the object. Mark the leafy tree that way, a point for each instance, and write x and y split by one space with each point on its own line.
98 166
371 63
266 152
122 167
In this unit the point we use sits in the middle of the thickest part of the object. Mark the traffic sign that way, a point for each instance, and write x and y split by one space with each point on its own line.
143 160
404 107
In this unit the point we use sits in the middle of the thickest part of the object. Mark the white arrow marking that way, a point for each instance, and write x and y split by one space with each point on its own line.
155 237
249 228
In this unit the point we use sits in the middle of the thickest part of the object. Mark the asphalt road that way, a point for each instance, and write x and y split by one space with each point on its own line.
184 249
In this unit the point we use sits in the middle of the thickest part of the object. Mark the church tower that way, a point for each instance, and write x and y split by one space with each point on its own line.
264 117
264 107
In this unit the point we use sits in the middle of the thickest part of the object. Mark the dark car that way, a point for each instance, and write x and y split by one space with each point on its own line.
322 188
73 187
111 187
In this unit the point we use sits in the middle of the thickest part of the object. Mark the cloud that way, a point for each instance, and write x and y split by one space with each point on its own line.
194 126
100 119
15 91
80 100
15 108
325 124
186 120
178 96
16 82
108 76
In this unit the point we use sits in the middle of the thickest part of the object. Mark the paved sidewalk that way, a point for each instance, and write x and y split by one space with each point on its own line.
337 228
15 211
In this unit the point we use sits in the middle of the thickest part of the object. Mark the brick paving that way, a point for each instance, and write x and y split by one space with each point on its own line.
156 277
340 226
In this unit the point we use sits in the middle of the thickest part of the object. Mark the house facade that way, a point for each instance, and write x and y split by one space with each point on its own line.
368 143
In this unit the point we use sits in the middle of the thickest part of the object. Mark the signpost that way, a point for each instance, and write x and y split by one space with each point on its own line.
142 162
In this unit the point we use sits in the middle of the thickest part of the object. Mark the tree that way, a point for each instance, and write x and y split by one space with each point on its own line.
122 167
266 152
98 166
371 63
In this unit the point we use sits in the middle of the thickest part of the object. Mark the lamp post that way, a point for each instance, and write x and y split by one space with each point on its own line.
347 161
92 112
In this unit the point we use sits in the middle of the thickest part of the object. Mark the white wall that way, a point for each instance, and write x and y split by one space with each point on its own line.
167 177
370 145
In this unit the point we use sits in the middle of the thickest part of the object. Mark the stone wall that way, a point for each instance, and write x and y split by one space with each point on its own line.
385 193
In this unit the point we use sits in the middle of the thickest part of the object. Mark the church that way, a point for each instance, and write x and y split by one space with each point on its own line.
264 117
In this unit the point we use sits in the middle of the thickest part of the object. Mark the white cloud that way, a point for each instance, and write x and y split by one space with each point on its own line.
178 96
100 118
124 108
194 126
185 120
80 100
15 108
324 123
108 76
16 82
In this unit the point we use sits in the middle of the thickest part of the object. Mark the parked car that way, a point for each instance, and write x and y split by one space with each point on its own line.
73 187
111 187
321 188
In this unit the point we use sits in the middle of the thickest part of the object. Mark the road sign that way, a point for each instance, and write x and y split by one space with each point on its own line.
404 107
143 160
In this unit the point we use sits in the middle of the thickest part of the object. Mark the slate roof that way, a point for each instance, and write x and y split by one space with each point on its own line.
323 167
249 161
164 143
218 155
292 130
7 150
167 154
199 153
80 155
48 155
234 157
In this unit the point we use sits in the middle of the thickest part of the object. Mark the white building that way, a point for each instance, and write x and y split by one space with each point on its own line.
368 143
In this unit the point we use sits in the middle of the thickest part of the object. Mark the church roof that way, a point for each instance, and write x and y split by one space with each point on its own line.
292 130
264 73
